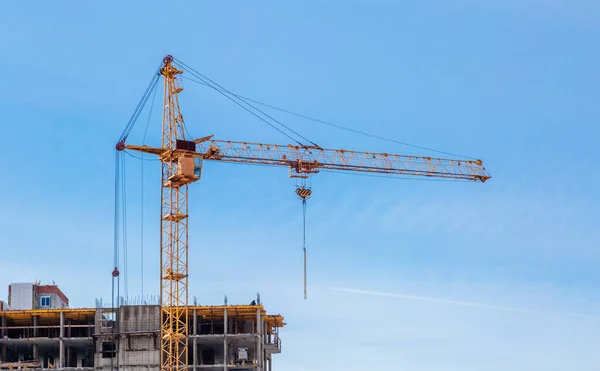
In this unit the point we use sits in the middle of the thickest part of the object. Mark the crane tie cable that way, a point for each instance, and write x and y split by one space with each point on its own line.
138 109
228 94
323 122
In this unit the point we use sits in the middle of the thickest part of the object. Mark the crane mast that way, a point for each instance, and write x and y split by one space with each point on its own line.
174 230
182 159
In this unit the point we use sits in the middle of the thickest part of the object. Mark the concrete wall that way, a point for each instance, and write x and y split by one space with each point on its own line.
140 326
56 301
139 318
135 352
25 296
21 296
138 340
139 352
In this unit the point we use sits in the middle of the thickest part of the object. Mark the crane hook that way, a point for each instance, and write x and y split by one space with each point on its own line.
303 192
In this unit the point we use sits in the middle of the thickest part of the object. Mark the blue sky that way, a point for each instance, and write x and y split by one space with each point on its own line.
514 83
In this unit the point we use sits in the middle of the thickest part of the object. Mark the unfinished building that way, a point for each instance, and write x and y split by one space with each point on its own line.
240 337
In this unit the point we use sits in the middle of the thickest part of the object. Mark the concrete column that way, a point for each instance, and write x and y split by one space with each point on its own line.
3 328
68 357
62 324
195 340
266 334
61 359
3 324
69 328
267 365
259 343
225 358
36 333
270 364
36 354
36 323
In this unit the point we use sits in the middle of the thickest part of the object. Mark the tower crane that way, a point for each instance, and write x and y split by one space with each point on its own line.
182 158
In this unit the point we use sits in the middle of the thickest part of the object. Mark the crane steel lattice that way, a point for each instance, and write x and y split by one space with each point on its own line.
182 163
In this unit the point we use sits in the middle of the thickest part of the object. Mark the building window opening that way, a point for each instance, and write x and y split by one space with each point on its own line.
45 302
109 349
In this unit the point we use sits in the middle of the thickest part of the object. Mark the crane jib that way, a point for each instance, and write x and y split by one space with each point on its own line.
311 162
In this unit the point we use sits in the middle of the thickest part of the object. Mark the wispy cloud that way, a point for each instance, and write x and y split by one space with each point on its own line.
458 302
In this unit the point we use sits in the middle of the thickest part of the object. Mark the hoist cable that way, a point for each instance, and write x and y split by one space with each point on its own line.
124 232
116 226
142 227
120 230
119 181
304 241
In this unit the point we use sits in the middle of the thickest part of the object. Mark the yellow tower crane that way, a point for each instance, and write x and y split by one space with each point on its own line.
182 159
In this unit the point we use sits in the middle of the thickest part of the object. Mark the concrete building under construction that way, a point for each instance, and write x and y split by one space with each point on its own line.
240 337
